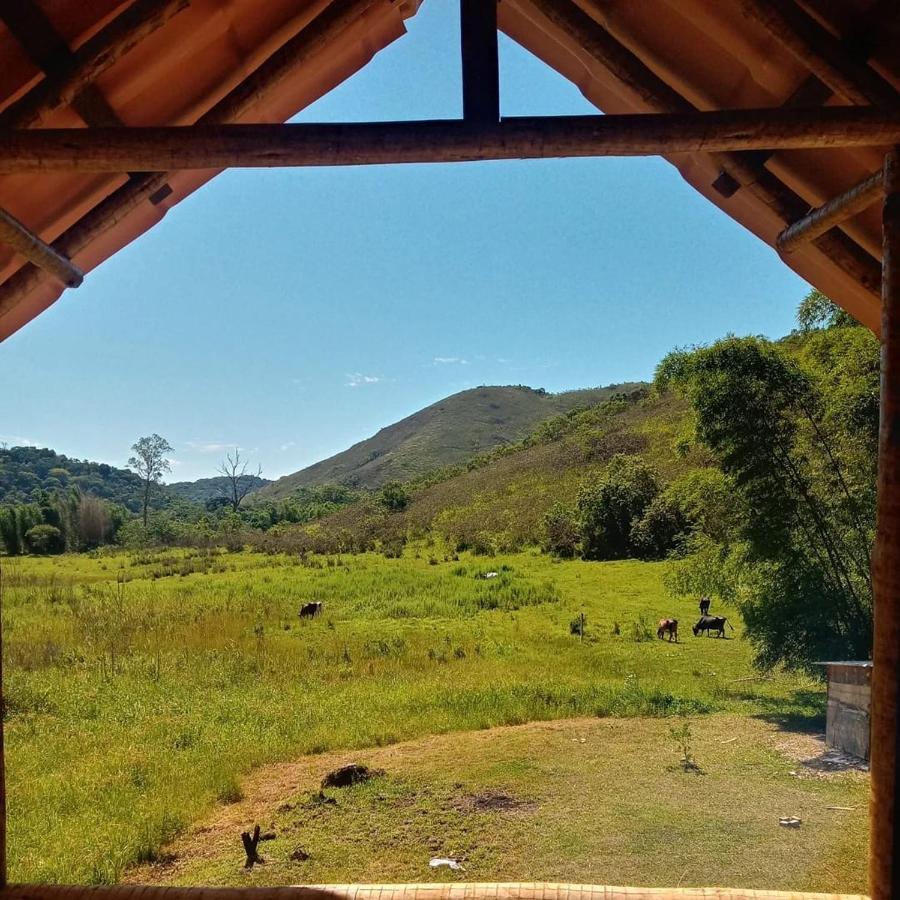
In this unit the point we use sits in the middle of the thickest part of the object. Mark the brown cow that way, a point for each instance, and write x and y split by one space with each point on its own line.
670 627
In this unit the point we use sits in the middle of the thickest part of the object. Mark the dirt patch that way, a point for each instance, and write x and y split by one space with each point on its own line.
815 760
493 802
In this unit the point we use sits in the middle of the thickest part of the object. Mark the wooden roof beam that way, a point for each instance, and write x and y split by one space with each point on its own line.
70 73
377 143
821 52
25 242
743 168
837 210
310 40
480 65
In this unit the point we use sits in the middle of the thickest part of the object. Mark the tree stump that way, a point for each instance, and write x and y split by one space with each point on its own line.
250 845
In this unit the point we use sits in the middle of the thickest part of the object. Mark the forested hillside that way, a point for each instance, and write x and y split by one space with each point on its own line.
26 469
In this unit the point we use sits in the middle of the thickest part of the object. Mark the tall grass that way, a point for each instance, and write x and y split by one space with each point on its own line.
140 687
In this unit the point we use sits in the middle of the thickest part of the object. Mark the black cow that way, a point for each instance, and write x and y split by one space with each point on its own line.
308 610
711 623
704 606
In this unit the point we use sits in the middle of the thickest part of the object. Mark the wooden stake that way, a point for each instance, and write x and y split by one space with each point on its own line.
24 241
846 205
884 829
480 68
365 143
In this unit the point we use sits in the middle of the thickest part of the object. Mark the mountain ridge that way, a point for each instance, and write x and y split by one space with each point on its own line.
446 432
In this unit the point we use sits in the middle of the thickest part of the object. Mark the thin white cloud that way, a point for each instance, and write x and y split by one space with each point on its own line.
450 361
357 379
287 445
210 446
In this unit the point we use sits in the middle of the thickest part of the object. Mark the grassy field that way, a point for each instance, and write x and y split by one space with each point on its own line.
140 688
602 801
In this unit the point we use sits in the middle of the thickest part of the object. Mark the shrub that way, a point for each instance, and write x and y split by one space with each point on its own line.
45 539
561 531
609 506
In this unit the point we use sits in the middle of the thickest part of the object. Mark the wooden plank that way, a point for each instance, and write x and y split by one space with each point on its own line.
480 67
363 143
856 695
430 891
837 210
884 854
25 242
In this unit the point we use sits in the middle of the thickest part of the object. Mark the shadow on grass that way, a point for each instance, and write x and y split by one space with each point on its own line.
803 711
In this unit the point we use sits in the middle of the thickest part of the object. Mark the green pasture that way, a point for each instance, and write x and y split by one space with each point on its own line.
140 688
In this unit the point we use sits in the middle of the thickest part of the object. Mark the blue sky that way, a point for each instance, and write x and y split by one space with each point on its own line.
293 312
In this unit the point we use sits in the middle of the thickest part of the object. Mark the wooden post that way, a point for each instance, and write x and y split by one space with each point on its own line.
884 860
3 880
480 67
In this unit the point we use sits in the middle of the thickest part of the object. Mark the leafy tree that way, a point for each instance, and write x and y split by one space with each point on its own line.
663 527
818 311
45 539
806 487
150 463
238 481
394 496
608 507
561 533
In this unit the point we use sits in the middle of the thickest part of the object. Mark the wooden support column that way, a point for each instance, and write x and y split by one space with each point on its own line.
884 860
480 66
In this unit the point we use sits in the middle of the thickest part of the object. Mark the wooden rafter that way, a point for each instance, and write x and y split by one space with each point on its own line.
24 241
744 169
70 74
68 79
837 210
372 143
821 52
314 38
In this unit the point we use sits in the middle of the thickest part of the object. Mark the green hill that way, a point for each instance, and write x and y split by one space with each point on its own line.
499 500
26 469
204 489
446 433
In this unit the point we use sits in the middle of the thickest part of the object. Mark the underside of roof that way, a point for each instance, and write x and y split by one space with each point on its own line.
626 56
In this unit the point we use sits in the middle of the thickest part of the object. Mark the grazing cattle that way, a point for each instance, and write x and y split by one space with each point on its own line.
308 610
704 606
711 623
669 627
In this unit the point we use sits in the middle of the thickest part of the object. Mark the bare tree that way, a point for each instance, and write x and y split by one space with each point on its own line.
150 462
240 481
